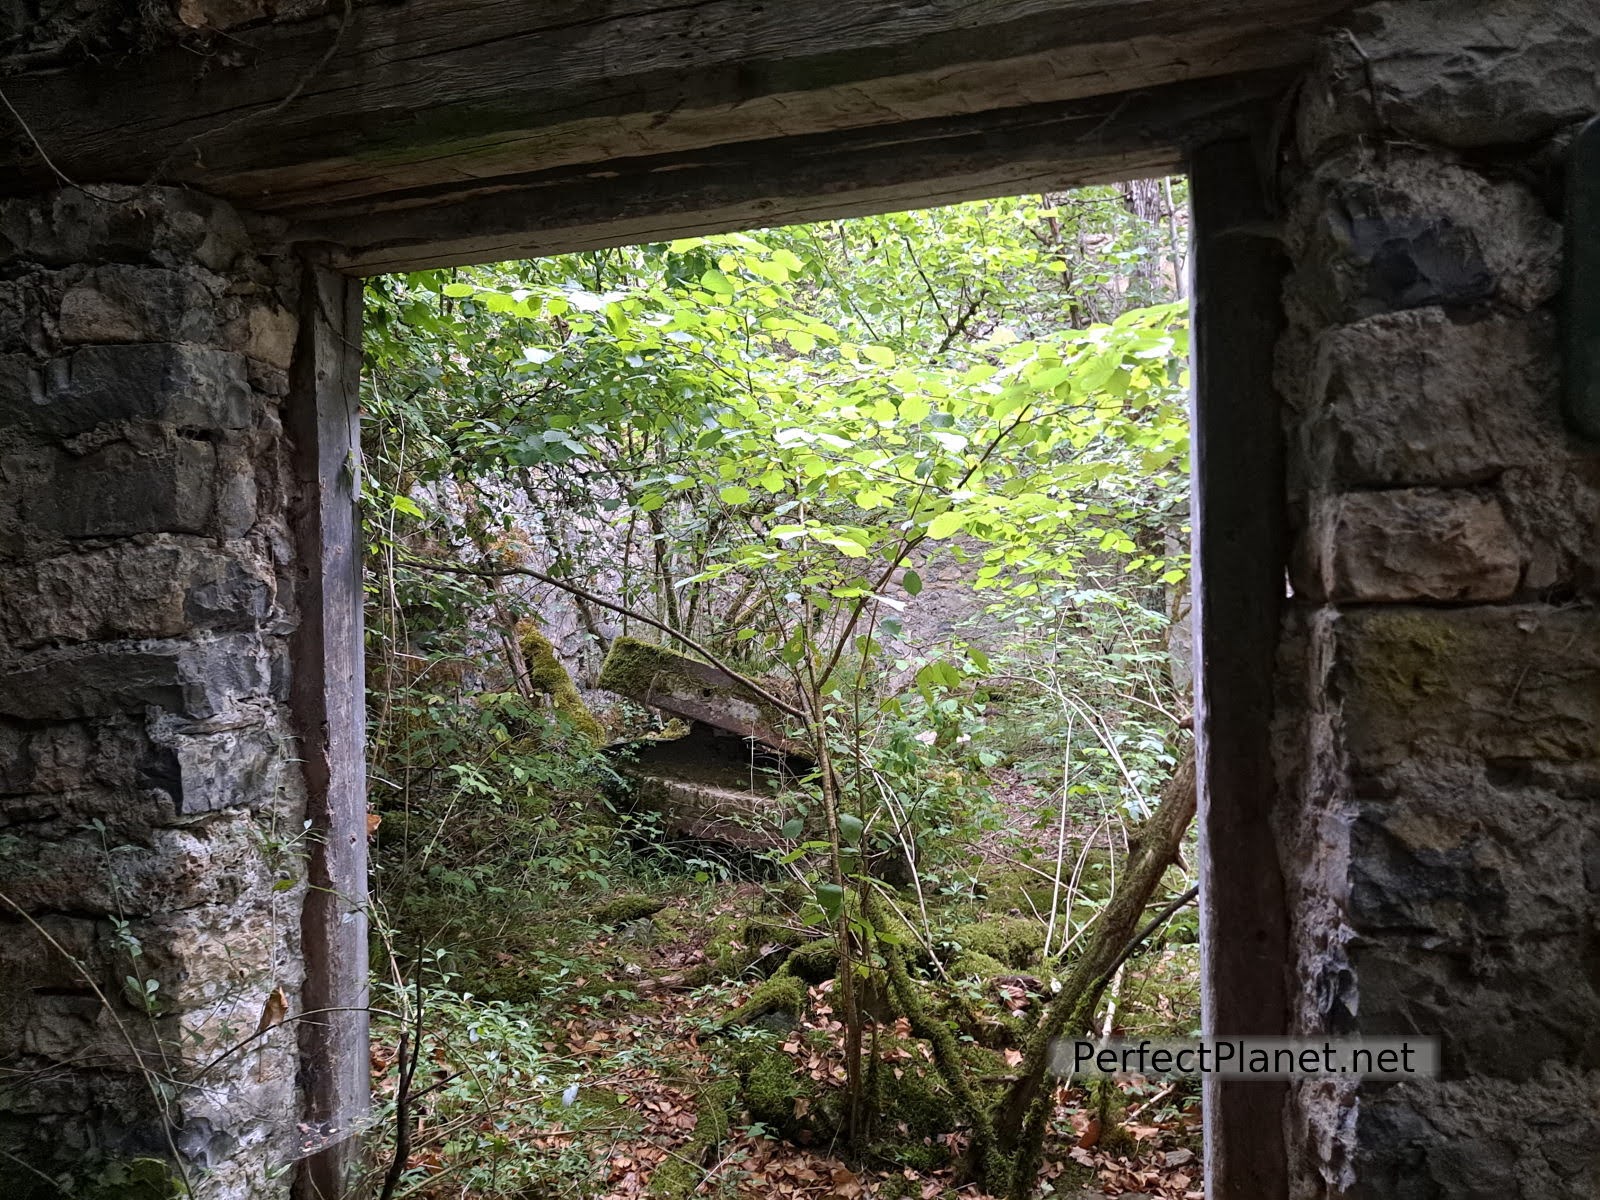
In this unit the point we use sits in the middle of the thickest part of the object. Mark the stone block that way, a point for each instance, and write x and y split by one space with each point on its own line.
220 963
23 473
1501 1010
235 761
270 335
123 488
1414 398
186 386
1419 544
170 226
1470 74
1481 1139
110 752
1422 685
200 679
1463 861
1409 231
141 873
123 303
132 591
1555 509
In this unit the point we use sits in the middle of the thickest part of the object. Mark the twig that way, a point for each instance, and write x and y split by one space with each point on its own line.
1160 919
409 1056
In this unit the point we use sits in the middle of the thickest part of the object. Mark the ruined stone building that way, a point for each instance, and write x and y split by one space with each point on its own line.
1400 772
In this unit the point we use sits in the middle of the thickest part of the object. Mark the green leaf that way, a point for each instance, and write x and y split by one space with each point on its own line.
716 281
793 827
946 524
408 506
458 290
850 828
830 897
881 355
914 409
734 495
912 582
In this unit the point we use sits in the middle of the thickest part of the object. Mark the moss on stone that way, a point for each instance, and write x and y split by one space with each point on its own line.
623 909
760 931
771 1088
728 950
972 964
815 961
1013 941
782 993
689 688
633 668
918 1156
917 1102
547 677
1406 653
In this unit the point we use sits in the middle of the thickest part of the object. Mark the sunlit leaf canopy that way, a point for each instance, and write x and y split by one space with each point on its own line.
955 391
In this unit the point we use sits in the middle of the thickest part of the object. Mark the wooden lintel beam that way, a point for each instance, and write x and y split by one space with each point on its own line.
372 99
785 181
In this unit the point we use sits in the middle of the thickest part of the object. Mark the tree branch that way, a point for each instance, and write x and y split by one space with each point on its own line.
573 589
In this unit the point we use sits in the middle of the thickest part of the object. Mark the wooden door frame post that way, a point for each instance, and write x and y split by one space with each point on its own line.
1240 554
328 700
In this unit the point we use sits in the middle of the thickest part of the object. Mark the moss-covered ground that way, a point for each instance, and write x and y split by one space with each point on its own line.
700 1024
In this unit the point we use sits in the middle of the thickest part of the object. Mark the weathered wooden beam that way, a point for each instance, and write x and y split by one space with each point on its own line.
327 698
1241 551
380 98
789 180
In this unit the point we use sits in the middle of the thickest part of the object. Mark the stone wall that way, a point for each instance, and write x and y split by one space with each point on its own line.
1439 735
151 836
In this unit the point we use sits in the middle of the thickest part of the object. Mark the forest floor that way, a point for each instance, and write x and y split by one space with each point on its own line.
573 1055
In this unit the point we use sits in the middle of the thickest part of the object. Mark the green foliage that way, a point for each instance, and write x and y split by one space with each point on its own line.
772 443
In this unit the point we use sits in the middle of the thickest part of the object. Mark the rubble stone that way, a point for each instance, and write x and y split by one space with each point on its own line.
1420 544
146 760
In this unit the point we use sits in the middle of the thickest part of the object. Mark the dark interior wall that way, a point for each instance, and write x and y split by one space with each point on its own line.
150 804
1439 718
